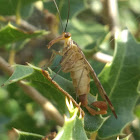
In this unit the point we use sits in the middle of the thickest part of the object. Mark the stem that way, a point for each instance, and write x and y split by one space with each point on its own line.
18 18
102 57
23 24
111 12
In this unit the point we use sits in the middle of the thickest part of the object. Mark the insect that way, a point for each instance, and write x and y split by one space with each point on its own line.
74 61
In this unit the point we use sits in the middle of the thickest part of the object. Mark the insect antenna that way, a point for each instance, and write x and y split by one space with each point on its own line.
58 14
64 30
68 15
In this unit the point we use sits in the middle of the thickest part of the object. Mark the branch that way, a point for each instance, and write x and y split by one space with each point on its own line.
102 57
113 15
23 24
47 106
111 12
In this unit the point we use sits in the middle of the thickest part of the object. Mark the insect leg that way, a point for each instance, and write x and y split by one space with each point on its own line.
102 105
99 104
57 73
54 53
62 63
66 58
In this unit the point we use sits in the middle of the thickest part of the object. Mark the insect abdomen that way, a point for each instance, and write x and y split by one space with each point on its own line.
73 62
79 74
81 80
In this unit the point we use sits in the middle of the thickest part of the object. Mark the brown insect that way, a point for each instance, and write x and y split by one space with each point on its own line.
74 61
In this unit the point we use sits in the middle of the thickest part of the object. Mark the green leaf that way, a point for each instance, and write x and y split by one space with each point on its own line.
93 123
27 136
19 73
11 34
73 126
120 80
8 7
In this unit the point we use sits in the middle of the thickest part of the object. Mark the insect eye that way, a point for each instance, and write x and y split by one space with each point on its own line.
67 35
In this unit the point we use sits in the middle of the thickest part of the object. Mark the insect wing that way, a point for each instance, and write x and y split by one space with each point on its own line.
99 85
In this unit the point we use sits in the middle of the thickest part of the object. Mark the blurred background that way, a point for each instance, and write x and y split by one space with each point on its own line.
93 25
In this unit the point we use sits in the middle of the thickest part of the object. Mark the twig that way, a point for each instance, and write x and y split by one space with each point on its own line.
24 24
111 12
101 57
113 15
49 109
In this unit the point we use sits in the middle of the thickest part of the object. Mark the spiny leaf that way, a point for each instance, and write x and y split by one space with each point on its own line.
73 126
120 80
